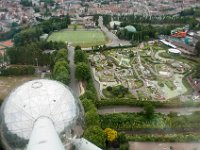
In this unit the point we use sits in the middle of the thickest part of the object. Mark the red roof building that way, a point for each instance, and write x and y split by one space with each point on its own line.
8 43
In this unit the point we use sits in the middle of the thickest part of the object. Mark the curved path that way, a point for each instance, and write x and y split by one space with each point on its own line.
161 58
129 109
115 41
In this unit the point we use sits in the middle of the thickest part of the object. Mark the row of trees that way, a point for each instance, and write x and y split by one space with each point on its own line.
17 70
191 12
93 132
144 32
197 47
9 34
26 3
82 72
33 53
170 19
149 120
33 34
61 68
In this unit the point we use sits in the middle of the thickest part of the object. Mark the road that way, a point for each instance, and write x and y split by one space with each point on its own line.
114 40
129 109
74 85
163 146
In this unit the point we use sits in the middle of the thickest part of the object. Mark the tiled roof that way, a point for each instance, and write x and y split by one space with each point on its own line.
8 43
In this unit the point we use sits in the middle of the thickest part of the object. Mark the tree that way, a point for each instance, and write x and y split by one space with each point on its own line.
82 71
61 55
75 27
149 111
87 104
197 48
61 67
89 95
80 56
77 48
95 135
59 64
146 37
92 117
62 75
115 27
26 36
26 3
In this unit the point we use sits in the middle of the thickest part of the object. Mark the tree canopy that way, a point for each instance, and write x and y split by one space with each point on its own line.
95 135
82 71
197 47
149 111
61 67
80 56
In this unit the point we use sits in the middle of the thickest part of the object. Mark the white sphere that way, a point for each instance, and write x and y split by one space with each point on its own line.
35 99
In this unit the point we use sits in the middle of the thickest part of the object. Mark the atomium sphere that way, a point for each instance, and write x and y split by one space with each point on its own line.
35 99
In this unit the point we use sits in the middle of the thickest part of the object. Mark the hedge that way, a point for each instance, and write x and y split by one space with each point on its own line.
105 48
165 138
142 103
17 71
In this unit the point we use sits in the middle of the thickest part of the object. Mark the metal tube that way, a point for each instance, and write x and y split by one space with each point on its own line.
44 136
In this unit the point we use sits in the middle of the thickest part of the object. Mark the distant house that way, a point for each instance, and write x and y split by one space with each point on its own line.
7 43
44 36
114 23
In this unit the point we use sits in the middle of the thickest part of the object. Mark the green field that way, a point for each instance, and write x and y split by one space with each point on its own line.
84 38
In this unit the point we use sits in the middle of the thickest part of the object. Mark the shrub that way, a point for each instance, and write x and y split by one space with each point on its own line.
77 47
111 134
95 135
109 88
124 146
92 118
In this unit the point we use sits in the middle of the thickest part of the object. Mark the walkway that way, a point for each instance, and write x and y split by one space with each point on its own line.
129 109
163 146
114 40
74 85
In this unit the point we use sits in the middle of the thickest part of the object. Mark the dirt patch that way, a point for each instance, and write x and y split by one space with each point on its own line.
7 84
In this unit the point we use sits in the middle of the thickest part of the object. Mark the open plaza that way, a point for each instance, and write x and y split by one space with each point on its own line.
149 71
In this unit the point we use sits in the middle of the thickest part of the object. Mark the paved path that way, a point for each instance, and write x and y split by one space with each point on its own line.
74 85
114 40
43 75
163 146
152 131
129 109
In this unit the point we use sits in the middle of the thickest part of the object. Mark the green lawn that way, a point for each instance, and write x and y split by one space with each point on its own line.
84 38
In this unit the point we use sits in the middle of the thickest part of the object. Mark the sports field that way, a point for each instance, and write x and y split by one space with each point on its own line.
84 38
